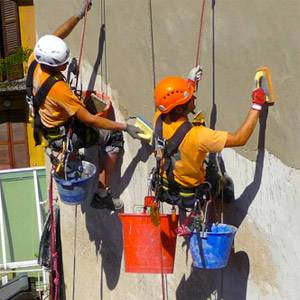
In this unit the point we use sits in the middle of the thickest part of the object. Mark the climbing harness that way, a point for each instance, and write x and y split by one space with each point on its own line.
166 153
83 136
35 101
198 218
201 200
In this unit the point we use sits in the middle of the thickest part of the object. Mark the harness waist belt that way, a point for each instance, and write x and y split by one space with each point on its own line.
55 132
182 190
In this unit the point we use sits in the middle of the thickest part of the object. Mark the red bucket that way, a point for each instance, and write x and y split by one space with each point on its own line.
147 248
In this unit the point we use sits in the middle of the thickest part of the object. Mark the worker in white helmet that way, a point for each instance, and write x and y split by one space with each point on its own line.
61 108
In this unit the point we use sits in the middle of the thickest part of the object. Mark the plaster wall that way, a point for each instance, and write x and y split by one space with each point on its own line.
239 36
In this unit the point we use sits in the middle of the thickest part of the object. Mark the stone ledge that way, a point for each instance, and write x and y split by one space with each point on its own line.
15 85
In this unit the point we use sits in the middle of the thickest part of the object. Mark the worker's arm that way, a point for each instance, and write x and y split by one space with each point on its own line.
242 135
66 28
95 121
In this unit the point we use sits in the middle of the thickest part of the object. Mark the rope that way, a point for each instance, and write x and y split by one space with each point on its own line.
218 158
163 277
74 256
77 77
55 278
81 43
213 101
198 53
152 44
104 57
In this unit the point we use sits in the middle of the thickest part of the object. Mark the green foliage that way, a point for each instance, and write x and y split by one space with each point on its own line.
18 57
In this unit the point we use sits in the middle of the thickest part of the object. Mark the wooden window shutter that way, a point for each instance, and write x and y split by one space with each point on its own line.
10 26
13 146
11 37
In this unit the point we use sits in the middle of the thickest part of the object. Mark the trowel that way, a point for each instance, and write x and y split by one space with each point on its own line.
262 80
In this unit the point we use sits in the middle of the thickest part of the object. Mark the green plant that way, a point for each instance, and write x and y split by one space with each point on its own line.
17 58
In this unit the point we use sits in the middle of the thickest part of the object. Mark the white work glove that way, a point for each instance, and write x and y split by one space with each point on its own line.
195 75
133 131
85 3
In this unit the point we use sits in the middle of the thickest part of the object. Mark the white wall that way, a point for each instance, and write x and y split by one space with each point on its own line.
247 34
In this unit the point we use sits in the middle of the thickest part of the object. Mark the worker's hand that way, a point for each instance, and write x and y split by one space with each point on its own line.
258 99
86 4
195 75
133 131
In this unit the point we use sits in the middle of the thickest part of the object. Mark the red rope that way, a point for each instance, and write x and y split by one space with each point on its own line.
55 277
198 53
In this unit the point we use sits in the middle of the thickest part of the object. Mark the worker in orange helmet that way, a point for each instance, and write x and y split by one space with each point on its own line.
185 147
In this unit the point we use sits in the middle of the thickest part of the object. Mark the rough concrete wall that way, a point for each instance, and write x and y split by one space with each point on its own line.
239 36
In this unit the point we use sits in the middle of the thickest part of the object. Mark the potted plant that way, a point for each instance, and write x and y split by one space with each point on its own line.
12 66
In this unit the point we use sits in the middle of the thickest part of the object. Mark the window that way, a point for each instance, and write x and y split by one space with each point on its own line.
10 39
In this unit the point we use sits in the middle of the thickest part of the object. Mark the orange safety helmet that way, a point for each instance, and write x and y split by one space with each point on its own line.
171 92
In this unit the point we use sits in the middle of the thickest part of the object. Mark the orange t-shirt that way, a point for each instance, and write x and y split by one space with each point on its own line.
198 142
60 103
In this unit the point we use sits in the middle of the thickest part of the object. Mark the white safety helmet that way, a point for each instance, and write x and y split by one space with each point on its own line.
52 51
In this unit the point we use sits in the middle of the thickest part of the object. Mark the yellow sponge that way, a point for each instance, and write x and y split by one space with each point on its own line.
147 130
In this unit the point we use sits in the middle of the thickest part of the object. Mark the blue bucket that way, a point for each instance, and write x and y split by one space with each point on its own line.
212 250
76 190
